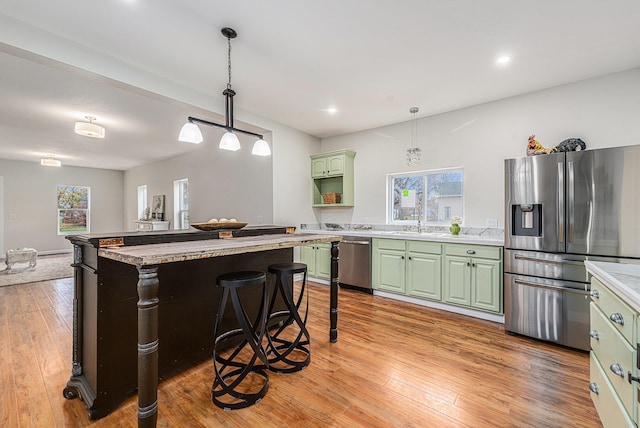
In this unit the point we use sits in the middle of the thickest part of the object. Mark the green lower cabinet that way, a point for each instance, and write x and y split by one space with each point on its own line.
459 274
473 281
457 281
318 260
407 267
424 277
486 285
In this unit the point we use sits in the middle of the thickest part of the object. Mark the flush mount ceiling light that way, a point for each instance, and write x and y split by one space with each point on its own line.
414 153
89 129
190 133
50 161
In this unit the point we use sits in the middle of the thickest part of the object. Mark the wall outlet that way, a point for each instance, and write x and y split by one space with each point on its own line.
259 219
366 220
492 222
11 217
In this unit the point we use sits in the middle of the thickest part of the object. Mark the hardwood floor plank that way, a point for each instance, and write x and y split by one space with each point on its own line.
395 364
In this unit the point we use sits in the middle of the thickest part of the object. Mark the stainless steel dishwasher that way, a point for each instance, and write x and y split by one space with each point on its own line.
354 267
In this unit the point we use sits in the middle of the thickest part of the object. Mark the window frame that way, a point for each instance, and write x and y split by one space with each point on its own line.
142 201
422 209
180 214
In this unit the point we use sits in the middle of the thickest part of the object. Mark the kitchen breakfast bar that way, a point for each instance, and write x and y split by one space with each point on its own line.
158 290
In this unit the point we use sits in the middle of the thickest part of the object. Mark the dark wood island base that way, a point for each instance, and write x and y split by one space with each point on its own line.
131 300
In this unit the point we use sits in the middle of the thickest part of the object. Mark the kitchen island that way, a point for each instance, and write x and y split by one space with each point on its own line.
160 294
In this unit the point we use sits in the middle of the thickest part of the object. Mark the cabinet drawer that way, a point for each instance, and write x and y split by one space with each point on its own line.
610 409
481 251
425 247
613 308
390 244
614 353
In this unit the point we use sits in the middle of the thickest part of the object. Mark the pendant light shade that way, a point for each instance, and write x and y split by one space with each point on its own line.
89 129
229 141
261 148
190 133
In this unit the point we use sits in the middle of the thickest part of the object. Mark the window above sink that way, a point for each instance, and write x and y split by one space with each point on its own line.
432 196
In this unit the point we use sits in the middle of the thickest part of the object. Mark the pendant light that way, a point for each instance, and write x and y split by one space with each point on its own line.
414 153
190 132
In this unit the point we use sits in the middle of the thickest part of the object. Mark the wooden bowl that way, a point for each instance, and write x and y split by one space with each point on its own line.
219 225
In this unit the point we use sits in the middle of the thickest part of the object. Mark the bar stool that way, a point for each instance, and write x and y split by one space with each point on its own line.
288 348
241 376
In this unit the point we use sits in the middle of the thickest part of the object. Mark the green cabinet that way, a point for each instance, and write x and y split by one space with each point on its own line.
613 357
472 276
317 257
407 267
328 165
332 172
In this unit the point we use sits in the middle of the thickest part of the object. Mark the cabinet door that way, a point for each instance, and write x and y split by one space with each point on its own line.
424 275
318 168
308 257
335 165
485 285
323 261
390 271
457 280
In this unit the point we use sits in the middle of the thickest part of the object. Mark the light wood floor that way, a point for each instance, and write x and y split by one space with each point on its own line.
395 365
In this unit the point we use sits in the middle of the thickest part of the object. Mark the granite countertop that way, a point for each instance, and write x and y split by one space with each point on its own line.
415 236
623 279
154 254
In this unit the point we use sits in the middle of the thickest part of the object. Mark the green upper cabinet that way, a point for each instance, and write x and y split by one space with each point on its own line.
332 172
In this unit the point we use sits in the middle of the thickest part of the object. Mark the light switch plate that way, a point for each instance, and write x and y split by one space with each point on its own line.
492 222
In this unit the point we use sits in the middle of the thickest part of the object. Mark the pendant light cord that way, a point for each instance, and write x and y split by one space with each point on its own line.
229 61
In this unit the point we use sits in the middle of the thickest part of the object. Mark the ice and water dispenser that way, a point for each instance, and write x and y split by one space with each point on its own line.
526 220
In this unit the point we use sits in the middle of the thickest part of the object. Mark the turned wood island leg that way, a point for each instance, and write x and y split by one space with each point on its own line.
333 304
147 346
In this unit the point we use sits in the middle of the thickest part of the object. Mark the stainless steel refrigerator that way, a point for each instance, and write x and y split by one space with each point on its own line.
563 209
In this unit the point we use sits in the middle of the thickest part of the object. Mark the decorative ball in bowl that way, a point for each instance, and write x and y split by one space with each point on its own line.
222 223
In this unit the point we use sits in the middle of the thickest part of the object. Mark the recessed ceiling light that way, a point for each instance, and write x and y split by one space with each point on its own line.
332 110
503 60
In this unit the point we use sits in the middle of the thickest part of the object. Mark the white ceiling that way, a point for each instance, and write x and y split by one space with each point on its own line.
371 60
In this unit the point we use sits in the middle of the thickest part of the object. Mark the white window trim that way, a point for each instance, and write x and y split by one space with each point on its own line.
177 198
389 195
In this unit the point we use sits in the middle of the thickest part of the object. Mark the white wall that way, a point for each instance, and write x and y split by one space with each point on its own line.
221 184
1 216
604 112
234 184
30 203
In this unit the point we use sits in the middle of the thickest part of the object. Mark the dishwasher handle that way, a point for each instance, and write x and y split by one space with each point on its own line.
355 242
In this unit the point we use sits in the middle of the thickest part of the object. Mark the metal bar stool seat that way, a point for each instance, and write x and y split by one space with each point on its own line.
241 375
288 344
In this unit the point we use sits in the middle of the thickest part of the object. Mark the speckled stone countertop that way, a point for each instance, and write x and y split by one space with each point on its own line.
415 236
623 279
154 254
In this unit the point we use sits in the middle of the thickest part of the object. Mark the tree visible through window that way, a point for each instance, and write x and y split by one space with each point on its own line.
432 196
73 209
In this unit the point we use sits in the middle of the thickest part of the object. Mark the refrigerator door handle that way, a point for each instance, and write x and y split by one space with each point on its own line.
560 201
571 199
550 287
555 262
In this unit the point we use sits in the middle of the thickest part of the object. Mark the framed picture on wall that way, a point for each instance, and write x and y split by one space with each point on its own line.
73 209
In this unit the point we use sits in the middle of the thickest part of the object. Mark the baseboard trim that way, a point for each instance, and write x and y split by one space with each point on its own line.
443 306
